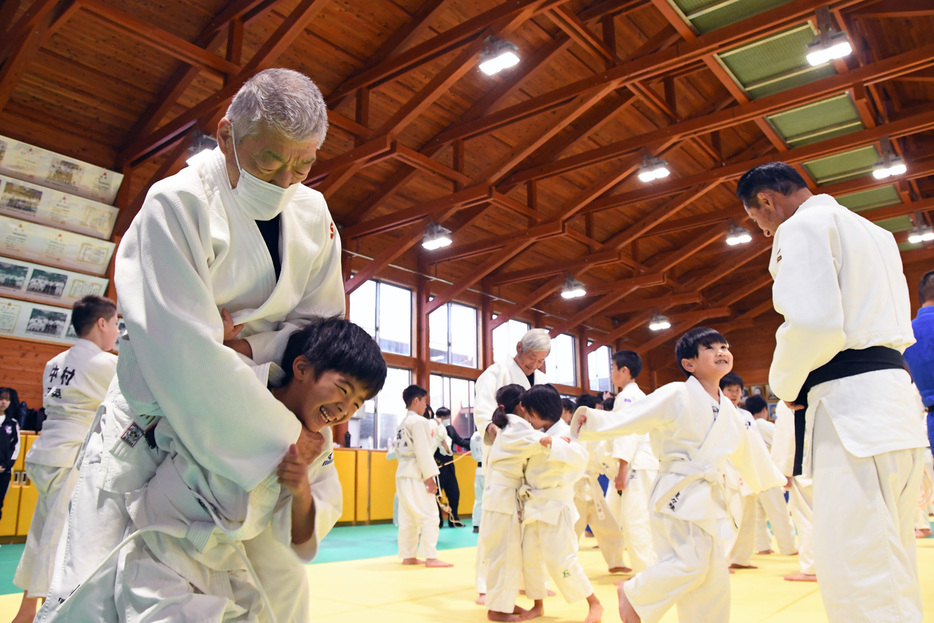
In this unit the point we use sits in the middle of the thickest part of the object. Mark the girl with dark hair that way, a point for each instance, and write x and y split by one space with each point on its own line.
515 442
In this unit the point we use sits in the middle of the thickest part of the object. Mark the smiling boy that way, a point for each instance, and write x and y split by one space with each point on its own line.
694 429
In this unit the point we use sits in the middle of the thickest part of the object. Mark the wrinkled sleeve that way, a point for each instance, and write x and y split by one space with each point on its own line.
328 499
424 456
572 455
753 461
783 442
654 410
485 402
323 297
807 293
222 413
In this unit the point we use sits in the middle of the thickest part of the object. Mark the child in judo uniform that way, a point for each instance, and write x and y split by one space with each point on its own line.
548 538
74 385
628 494
694 430
210 551
515 442
415 443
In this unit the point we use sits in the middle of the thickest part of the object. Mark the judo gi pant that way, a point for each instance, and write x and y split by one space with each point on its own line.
552 548
418 519
54 486
691 573
801 502
866 567
771 507
631 510
594 512
502 542
477 497
741 552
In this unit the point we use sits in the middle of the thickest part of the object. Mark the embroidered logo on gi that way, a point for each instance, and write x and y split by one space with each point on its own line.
328 460
673 502
132 434
332 231
779 256
565 574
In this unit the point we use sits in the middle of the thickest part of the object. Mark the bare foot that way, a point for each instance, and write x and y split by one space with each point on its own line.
537 610
765 552
620 570
517 615
801 577
736 566
731 571
595 615
412 561
481 599
627 613
434 562
922 533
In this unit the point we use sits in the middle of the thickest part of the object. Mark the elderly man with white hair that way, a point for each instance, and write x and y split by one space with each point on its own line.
235 232
523 369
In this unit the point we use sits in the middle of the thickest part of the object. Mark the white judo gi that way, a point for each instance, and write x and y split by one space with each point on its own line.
591 503
476 452
690 517
192 250
74 385
549 543
839 285
801 491
771 508
500 526
415 443
630 506
488 383
742 546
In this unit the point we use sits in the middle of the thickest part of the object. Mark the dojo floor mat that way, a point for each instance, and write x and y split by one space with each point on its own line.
354 589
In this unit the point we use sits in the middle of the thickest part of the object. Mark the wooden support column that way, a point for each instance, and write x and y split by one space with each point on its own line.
582 359
422 354
486 332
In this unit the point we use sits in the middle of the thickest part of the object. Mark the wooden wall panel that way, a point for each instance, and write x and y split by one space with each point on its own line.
21 365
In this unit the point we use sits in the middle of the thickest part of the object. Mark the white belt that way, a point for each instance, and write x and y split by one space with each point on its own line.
692 473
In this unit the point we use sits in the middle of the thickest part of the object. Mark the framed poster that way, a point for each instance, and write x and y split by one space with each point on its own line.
55 208
44 284
47 168
34 321
45 245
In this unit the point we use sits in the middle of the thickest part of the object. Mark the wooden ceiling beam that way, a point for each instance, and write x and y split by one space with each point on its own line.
681 323
895 9
410 237
913 124
587 261
638 305
376 149
14 35
653 65
580 34
451 39
23 46
429 165
543 291
869 74
290 28
494 243
742 293
518 207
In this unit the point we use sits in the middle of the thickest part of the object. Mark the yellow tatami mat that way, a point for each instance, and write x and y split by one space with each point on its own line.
382 590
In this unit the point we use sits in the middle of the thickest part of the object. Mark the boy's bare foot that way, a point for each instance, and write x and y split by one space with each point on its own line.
736 566
412 561
620 570
517 614
627 613
481 599
765 552
595 615
537 610
434 562
801 577
548 593
922 533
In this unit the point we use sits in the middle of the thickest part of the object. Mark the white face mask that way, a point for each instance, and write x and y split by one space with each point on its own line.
260 200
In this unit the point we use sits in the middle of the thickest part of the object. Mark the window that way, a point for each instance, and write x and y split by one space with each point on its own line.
452 331
385 311
374 425
598 370
561 363
505 338
457 395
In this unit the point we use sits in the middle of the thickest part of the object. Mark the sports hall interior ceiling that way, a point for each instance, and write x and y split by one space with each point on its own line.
534 169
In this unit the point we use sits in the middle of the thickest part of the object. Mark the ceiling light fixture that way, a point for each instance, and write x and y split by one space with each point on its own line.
888 166
924 233
573 289
653 169
828 44
659 323
436 237
738 235
498 55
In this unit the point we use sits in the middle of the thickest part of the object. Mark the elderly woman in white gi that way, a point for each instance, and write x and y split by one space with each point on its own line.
236 230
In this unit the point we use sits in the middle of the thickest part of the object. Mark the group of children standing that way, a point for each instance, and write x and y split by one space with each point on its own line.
687 471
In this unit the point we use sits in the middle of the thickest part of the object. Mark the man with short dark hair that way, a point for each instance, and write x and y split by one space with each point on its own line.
839 284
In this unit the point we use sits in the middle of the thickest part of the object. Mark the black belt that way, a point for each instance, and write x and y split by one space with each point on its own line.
845 363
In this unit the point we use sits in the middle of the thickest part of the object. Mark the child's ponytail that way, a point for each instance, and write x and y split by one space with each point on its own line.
508 398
